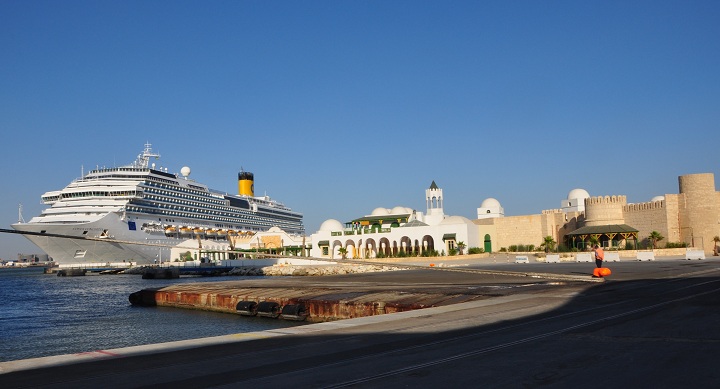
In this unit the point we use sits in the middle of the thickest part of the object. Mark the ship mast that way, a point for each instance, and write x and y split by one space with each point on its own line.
20 217
143 159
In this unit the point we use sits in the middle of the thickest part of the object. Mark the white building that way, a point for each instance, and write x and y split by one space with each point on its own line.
397 231
490 208
575 201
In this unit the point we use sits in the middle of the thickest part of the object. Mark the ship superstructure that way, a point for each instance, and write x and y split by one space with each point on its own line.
139 203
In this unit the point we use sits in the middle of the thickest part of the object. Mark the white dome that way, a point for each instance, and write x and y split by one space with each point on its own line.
400 210
185 171
657 198
456 220
490 203
331 225
275 229
577 194
380 212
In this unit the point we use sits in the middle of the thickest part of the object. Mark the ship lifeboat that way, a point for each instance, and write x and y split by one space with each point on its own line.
170 230
222 233
198 231
232 233
185 231
211 232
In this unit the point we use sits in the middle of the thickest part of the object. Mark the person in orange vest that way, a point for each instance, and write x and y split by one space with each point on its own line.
599 256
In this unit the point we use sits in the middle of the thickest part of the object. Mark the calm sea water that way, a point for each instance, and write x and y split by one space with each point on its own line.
43 315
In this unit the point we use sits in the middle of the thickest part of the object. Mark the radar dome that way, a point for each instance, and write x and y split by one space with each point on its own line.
578 194
331 225
185 171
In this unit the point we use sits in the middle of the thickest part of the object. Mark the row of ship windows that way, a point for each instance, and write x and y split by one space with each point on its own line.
75 195
175 191
158 179
173 198
187 204
169 202
197 190
255 220
180 192
211 213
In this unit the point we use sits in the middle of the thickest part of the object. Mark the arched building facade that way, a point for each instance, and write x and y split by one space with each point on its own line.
396 231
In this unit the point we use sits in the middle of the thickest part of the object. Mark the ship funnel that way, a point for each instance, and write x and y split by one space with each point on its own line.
246 186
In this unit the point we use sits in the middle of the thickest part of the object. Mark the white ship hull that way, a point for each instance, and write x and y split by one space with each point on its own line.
82 250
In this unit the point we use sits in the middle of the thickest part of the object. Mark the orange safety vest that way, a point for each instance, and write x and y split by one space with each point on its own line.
599 254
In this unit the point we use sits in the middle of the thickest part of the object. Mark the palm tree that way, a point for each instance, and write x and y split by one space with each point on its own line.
655 237
343 252
716 239
594 240
461 245
548 243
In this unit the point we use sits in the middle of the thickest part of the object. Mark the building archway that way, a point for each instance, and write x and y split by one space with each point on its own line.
351 250
406 245
335 249
370 248
385 247
428 243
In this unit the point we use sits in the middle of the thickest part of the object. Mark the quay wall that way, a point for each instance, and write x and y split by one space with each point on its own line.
321 304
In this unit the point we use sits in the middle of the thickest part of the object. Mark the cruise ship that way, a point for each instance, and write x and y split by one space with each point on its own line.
136 213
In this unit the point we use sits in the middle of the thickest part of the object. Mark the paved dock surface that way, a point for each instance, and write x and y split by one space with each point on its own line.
651 324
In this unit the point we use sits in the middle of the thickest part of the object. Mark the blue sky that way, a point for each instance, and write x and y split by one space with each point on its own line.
342 107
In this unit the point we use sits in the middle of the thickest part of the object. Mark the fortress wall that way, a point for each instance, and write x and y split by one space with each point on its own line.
699 210
652 216
513 230
605 210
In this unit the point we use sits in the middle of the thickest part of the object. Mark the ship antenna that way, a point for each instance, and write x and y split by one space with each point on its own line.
143 159
20 217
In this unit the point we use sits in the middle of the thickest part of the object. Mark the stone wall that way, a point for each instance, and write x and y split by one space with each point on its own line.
652 216
699 210
600 211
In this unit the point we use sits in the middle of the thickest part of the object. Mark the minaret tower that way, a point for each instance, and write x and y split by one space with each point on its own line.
434 198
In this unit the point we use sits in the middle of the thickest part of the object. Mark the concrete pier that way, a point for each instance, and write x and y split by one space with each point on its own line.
328 299
322 303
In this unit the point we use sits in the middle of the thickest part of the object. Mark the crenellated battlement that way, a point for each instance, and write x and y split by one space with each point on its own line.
600 200
650 205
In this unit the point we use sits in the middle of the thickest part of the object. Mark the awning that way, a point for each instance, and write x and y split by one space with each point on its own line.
323 243
606 229
449 237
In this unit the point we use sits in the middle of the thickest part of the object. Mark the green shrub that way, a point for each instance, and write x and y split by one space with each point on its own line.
430 253
675 245
476 250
